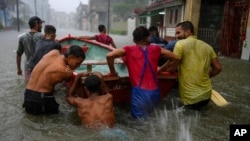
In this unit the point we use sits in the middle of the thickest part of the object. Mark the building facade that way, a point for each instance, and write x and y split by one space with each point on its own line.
81 17
164 14
223 24
26 9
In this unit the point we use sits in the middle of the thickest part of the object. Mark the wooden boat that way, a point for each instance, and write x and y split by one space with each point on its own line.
96 61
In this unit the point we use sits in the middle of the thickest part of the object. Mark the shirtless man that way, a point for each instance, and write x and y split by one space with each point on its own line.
52 69
97 110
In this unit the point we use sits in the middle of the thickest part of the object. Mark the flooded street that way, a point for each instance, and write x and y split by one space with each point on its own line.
169 123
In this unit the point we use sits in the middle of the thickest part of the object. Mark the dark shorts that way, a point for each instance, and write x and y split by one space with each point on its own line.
143 101
198 105
40 103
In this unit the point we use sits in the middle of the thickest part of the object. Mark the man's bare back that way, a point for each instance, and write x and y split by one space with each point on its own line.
97 110
51 70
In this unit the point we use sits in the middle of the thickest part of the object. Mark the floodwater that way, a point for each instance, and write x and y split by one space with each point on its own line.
169 123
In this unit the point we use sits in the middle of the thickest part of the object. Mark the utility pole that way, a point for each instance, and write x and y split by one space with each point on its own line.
17 15
35 8
108 15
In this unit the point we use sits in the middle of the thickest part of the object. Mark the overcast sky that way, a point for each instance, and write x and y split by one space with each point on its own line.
66 5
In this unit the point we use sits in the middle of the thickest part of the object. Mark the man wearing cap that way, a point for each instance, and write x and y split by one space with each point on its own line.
26 45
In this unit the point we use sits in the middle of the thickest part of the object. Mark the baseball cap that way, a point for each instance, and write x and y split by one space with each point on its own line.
35 19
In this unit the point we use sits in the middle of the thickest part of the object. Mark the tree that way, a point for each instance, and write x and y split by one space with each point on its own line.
3 4
125 8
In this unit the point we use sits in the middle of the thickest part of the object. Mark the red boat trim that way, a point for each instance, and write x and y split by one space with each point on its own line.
69 37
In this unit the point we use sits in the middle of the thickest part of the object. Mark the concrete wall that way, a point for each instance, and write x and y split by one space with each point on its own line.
192 12
131 26
170 32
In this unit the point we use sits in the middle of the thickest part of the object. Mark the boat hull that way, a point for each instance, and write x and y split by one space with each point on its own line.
121 89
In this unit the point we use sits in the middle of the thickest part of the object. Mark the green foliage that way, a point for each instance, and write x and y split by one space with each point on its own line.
126 7
122 8
119 32
119 28
1 26
21 22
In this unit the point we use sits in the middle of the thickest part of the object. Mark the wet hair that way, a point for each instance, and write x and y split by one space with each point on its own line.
34 20
186 25
101 28
140 34
153 28
76 51
32 24
49 29
93 83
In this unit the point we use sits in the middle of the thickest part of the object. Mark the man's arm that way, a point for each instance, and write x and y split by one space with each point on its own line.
86 37
173 61
216 67
19 53
70 95
18 63
111 57
113 44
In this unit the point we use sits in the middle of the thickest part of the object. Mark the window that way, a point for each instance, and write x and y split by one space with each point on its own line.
176 16
171 16
143 21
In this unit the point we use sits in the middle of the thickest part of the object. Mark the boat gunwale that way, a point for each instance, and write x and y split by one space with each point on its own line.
70 37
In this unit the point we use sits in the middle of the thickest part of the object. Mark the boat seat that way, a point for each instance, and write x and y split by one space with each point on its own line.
89 63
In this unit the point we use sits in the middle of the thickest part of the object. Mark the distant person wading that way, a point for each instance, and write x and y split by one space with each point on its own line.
102 37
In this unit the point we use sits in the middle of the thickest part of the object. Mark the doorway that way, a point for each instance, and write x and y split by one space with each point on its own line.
234 28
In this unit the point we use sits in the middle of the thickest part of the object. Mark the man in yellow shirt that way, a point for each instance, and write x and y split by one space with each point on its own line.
198 64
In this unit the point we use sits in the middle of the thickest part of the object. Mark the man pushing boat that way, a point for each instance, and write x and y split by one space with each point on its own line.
52 69
142 60
97 110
